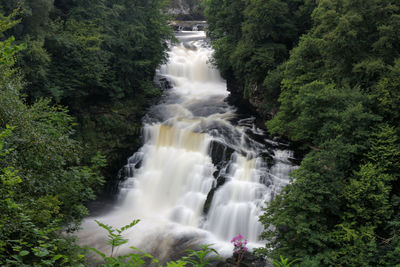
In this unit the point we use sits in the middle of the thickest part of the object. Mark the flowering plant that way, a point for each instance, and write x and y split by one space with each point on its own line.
239 247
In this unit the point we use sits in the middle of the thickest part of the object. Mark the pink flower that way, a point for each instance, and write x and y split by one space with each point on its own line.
236 238
239 244
239 247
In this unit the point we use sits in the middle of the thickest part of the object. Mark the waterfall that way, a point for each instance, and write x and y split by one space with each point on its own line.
198 151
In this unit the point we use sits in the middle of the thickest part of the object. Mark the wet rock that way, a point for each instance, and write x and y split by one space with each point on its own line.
188 25
207 204
221 181
163 83
220 153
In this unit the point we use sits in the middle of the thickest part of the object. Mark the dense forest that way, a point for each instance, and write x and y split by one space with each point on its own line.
75 78
98 59
326 76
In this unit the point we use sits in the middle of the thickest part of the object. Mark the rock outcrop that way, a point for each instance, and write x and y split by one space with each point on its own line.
186 9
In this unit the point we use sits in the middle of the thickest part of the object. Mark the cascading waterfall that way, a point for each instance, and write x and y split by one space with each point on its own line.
201 175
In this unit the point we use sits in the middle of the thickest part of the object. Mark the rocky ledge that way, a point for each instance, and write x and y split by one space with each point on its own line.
192 25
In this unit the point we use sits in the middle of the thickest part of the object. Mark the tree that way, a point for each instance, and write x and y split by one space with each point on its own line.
252 40
42 184
341 208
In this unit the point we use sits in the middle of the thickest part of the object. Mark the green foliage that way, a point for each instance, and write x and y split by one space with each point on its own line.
252 40
7 47
320 114
115 239
42 184
93 56
387 93
339 90
283 262
198 258
368 196
176 264
47 156
25 241
224 23
201 258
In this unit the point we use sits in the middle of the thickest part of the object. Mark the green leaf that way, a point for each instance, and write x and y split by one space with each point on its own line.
56 257
98 252
41 252
23 253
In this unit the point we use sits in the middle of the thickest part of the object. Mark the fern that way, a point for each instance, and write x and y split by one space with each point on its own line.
115 238
283 262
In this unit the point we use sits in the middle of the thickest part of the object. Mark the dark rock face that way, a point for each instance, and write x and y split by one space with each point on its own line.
256 100
207 204
253 103
234 86
236 98
220 153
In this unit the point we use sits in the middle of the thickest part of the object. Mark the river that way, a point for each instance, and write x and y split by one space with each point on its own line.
201 176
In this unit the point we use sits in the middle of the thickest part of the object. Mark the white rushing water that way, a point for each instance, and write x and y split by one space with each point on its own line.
194 142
